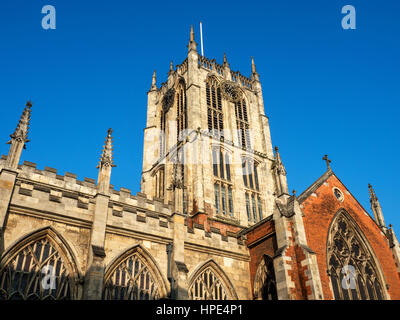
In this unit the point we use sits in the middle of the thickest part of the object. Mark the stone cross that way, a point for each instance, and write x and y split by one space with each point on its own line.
327 161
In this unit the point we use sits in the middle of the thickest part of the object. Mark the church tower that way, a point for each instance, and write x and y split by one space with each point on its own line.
207 143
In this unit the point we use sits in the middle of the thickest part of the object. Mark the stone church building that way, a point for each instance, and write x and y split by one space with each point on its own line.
214 218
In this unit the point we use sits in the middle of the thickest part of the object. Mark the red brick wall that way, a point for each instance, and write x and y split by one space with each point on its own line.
319 212
204 220
268 246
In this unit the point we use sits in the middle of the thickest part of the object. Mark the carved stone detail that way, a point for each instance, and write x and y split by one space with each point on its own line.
168 99
230 91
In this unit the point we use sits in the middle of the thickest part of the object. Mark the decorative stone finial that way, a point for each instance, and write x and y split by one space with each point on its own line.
253 66
192 44
225 64
280 174
278 162
254 74
191 33
154 81
376 207
21 132
106 158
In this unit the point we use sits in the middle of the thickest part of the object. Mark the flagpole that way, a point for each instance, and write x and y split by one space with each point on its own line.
201 38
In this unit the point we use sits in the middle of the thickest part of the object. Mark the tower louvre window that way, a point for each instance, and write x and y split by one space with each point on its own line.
215 162
251 185
222 179
228 167
221 165
162 134
216 195
159 183
215 117
253 206
248 207
250 174
181 109
223 199
230 201
259 208
242 123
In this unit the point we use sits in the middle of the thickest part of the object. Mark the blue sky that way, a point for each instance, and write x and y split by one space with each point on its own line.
326 90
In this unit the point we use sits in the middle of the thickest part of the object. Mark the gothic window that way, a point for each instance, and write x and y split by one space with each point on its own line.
264 281
210 283
351 266
214 108
132 278
222 182
37 270
248 207
207 287
162 133
250 174
181 109
338 194
251 184
242 123
159 183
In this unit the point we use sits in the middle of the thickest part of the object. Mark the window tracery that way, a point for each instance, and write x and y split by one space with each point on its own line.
252 192
208 286
223 197
181 109
214 108
242 123
351 266
131 279
37 271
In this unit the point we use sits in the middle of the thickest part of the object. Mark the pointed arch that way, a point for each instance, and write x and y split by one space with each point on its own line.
27 267
158 175
209 282
353 267
181 108
215 117
133 275
264 281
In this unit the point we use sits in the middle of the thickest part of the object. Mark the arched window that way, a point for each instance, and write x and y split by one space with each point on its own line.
181 109
159 182
133 277
210 283
264 281
162 133
38 268
222 181
351 266
252 190
242 123
214 108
